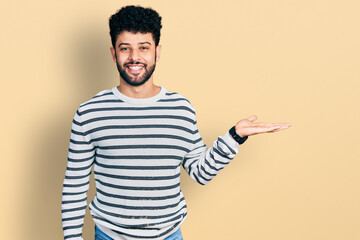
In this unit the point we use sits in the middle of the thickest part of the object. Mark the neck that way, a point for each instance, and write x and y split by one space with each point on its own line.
146 90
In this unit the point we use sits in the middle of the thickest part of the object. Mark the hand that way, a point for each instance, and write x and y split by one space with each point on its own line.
247 127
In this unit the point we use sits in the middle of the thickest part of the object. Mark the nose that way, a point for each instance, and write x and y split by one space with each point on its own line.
134 55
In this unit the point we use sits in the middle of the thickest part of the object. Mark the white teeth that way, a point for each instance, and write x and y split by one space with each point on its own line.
135 68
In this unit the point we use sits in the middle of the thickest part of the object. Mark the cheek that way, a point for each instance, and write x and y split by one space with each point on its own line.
121 60
150 58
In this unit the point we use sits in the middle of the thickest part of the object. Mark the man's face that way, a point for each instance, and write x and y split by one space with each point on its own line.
135 55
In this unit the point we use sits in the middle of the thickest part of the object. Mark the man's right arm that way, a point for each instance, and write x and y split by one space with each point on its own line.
76 183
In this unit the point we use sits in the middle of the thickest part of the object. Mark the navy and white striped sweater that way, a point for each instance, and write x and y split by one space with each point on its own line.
137 147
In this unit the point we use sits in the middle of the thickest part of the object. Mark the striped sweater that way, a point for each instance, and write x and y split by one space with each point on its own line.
136 147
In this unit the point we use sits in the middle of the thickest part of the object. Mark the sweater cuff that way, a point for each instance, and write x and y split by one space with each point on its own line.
229 140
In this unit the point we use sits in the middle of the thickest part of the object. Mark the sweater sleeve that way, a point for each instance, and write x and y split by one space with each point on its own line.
76 183
202 163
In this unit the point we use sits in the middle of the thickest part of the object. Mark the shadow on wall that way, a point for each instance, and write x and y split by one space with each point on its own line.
91 70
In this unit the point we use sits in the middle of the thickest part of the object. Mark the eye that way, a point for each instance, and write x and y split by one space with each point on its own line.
124 49
144 48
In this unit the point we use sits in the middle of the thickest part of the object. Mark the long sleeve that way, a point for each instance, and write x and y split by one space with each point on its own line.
76 183
202 163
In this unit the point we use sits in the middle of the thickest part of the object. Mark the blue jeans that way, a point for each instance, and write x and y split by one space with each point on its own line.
99 235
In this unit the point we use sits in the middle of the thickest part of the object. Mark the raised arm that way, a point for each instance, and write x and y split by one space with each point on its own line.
202 163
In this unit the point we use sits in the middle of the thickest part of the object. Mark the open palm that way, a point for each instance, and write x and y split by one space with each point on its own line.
248 127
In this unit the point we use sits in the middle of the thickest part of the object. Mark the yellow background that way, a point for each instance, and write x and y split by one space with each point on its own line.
295 61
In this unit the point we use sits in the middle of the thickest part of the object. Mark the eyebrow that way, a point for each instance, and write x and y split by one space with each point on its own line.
145 43
121 44
140 43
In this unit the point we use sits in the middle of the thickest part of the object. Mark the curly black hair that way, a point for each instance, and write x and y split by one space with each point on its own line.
135 19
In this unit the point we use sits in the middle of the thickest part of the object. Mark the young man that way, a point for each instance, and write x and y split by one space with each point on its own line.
137 136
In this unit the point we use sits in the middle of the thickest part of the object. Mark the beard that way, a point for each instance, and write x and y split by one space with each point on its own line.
137 80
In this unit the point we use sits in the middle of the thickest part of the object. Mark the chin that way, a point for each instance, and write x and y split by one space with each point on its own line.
136 83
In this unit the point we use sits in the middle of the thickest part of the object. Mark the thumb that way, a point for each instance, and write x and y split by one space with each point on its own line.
252 118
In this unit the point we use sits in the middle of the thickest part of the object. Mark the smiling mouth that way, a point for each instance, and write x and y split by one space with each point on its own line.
135 68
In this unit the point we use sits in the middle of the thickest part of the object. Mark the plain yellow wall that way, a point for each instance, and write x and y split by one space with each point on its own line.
285 61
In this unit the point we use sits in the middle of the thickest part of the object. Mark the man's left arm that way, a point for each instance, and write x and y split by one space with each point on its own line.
202 163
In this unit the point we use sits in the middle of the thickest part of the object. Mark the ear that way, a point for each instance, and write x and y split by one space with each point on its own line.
158 52
113 54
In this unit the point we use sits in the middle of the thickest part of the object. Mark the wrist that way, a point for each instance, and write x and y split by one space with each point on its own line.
236 137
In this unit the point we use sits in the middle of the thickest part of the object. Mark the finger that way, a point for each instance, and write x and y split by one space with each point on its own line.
252 118
282 125
278 128
269 129
285 126
265 125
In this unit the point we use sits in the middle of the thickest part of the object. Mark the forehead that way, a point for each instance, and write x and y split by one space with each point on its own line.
134 38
